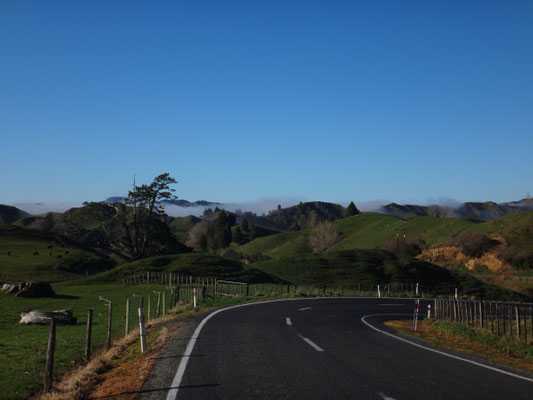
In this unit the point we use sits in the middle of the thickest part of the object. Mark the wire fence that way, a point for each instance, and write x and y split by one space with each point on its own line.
513 320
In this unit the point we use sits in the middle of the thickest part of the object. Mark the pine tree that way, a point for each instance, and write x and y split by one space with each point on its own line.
253 233
236 235
244 225
351 210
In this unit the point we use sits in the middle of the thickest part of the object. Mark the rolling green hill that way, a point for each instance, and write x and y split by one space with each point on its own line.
204 265
349 268
181 226
517 229
38 255
364 231
9 214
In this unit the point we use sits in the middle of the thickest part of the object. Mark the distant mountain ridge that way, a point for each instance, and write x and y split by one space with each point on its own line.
283 218
178 202
485 211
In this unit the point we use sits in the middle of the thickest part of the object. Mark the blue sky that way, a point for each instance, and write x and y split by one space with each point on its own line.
406 101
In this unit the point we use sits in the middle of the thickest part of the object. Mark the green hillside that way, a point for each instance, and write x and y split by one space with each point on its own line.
9 214
39 255
181 226
349 268
195 264
364 231
517 229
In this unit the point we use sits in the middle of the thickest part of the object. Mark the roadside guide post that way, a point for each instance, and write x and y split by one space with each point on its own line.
195 299
142 330
415 314
429 311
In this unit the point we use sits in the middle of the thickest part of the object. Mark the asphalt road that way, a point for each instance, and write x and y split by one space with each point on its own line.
319 349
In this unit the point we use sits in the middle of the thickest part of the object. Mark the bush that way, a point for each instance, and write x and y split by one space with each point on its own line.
517 258
474 245
412 249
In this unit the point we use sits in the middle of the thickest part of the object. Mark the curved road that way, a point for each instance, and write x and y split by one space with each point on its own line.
331 348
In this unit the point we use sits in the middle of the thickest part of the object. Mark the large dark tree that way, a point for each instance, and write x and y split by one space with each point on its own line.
131 227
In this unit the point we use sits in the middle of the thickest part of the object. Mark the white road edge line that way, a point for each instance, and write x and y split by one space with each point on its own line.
311 343
363 319
385 397
288 321
173 391
176 382
305 308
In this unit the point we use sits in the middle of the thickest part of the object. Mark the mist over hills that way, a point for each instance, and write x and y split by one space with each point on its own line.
485 211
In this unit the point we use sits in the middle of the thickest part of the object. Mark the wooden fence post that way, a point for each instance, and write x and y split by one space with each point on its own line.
127 327
49 372
517 314
109 319
88 335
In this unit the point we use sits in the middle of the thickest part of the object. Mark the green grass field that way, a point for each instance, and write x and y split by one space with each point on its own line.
31 258
204 265
23 347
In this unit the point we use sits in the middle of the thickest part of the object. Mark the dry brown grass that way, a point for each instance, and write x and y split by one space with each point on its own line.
109 372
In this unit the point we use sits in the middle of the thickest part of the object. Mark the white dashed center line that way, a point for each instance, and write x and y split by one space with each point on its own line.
310 343
288 321
305 308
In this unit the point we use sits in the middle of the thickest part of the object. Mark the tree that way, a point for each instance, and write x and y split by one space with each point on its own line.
351 210
219 234
244 225
236 235
145 200
253 233
134 225
295 227
323 237
198 236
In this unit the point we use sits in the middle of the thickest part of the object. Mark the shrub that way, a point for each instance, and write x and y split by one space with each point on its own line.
474 245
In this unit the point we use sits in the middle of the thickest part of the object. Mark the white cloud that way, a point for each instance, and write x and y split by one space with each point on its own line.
43 208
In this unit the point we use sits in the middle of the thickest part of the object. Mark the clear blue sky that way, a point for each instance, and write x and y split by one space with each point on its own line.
407 101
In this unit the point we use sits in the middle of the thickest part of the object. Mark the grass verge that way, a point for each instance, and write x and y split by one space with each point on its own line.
471 341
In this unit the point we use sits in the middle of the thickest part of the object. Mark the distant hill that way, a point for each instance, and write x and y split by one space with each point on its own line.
485 211
9 214
303 215
178 202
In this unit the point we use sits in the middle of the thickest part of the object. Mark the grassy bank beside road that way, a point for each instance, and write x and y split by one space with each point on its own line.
471 341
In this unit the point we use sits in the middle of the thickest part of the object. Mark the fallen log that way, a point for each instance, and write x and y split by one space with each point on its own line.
43 317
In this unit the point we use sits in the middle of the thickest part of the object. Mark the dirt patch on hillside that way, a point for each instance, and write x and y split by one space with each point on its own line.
453 256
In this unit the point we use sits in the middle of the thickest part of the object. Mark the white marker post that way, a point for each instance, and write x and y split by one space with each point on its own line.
429 311
142 330
416 292
195 300
379 292
455 293
415 314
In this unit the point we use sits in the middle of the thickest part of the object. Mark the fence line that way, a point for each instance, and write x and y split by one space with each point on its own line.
512 320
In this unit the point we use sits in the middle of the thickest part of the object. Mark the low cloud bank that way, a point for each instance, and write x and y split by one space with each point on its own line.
262 206
43 208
